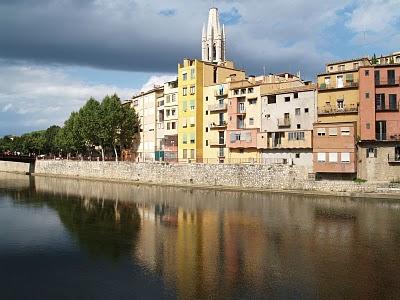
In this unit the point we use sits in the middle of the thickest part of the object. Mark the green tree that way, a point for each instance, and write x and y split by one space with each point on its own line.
50 146
90 123
69 138
374 60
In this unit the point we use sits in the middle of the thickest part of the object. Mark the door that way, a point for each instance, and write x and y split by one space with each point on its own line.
339 80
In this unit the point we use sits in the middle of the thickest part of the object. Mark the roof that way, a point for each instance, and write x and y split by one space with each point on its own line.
348 60
154 89
303 88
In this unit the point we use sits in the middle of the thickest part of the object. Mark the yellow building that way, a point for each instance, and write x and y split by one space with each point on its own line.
338 95
193 77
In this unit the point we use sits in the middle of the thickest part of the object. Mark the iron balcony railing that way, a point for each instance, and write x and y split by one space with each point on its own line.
221 153
381 136
327 110
284 122
219 125
221 92
217 142
394 158
392 107
387 82
347 84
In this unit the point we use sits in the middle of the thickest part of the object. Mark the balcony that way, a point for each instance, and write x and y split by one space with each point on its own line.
221 93
217 142
241 111
346 85
221 153
387 82
220 125
331 110
218 107
394 159
380 136
284 122
391 108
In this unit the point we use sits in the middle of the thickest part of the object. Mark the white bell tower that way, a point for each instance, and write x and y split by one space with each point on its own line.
213 39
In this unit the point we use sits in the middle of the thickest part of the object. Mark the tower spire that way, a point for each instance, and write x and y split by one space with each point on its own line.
213 38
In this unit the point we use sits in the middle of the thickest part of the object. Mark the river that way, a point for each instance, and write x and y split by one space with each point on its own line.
78 239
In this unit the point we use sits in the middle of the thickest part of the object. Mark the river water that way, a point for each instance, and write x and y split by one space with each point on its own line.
77 239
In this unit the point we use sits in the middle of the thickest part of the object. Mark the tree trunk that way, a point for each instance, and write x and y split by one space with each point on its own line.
102 153
116 154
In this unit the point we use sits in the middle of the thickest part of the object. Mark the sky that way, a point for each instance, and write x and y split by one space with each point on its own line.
55 54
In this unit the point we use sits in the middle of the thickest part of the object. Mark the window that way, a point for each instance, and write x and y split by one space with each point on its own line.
366 95
296 95
192 139
206 112
333 157
345 131
207 98
298 126
380 102
251 121
206 142
271 99
184 122
339 81
341 67
252 101
184 105
297 111
345 157
184 91
167 112
192 73
192 90
184 153
366 72
184 138
184 76
391 76
206 129
333 131
380 127
297 155
327 80
377 77
372 152
173 112
192 104
321 157
306 110
268 117
173 125
287 99
368 125
355 65
192 122
321 132
236 92
296 136
168 126
135 103
173 98
250 90
340 104
167 98
243 91
393 102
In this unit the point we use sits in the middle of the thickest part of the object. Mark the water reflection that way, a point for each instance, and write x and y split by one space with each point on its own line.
208 244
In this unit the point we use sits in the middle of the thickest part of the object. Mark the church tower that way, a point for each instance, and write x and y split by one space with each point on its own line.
213 39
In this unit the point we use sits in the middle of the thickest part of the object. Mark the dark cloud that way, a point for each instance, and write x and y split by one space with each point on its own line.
143 35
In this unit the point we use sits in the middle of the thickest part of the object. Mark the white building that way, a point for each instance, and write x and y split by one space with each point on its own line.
287 124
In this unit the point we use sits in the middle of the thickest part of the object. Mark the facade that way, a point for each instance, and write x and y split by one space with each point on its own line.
287 120
334 149
379 147
167 123
245 113
213 39
145 105
338 103
193 77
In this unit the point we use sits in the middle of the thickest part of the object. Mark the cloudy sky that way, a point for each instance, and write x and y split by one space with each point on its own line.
54 54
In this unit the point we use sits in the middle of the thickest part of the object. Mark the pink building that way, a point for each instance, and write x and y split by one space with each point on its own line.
334 149
379 145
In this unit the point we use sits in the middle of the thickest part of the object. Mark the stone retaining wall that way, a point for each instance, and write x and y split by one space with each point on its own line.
277 177
14 167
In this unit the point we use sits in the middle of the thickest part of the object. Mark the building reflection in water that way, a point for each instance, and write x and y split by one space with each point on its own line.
208 244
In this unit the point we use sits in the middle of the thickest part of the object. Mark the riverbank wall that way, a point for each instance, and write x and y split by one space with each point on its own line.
218 176
14 167
256 177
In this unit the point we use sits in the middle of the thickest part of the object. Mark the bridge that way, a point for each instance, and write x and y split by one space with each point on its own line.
20 159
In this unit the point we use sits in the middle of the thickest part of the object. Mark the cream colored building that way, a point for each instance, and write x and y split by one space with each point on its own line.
145 105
